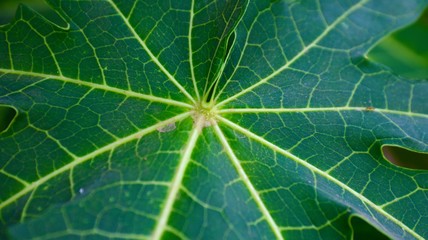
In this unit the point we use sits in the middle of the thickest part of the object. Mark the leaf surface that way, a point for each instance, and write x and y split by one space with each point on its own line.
208 119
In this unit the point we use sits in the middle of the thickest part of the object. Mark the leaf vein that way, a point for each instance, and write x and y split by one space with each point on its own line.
300 54
152 56
256 196
98 86
316 170
177 180
91 155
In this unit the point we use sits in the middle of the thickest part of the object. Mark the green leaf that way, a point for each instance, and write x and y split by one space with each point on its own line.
405 51
208 119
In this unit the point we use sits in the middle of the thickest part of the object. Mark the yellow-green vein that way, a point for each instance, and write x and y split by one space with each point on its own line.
316 170
91 155
152 56
300 54
192 70
98 86
235 161
320 109
177 180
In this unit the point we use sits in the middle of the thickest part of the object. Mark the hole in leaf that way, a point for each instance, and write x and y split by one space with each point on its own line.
363 230
8 8
7 114
405 51
405 158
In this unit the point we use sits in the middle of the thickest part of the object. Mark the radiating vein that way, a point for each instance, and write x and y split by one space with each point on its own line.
90 234
152 56
316 170
222 37
240 56
247 182
91 155
177 180
98 86
192 70
300 54
320 109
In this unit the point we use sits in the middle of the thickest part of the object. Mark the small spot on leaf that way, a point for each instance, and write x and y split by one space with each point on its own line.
406 158
167 128
370 109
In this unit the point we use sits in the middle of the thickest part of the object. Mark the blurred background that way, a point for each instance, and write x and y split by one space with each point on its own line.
8 8
406 50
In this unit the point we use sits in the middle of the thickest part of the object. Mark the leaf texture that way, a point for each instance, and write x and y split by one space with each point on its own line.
208 120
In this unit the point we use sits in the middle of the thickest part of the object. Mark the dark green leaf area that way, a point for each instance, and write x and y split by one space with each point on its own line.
164 28
115 186
334 142
208 119
7 114
74 114
299 38
314 82
288 184
71 124
101 51
194 52
213 24
212 190
363 230
412 94
339 134
300 209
